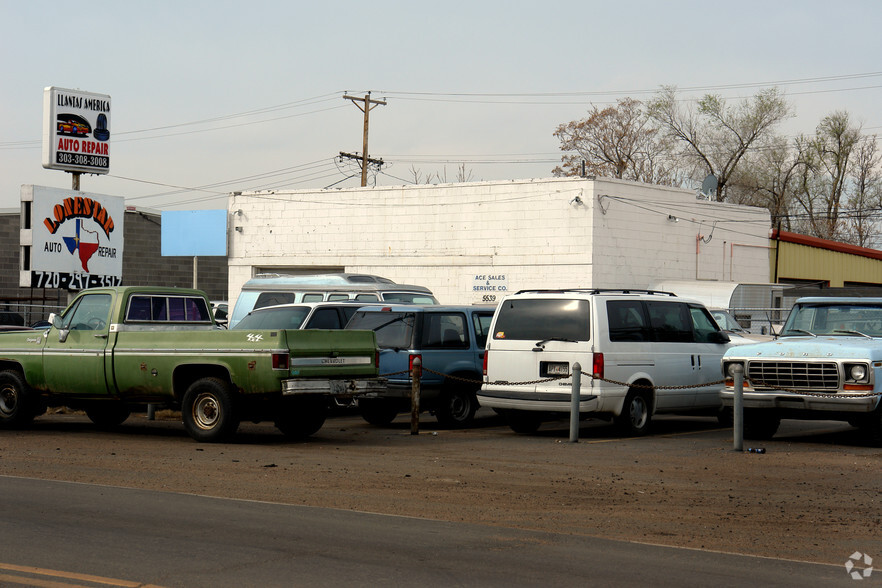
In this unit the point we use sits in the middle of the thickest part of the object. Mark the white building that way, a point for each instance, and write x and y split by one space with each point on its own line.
471 242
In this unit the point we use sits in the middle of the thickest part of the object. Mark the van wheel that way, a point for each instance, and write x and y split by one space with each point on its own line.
207 411
636 414
108 414
524 422
760 424
456 406
303 417
17 401
377 411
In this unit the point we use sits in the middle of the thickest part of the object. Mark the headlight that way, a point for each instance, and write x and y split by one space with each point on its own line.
858 372
730 368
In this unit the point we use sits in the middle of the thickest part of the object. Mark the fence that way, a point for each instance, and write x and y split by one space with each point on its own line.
19 313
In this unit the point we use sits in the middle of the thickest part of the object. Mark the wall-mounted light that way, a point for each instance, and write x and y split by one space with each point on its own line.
577 201
239 229
673 218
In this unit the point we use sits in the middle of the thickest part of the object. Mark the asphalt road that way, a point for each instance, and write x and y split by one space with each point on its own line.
76 534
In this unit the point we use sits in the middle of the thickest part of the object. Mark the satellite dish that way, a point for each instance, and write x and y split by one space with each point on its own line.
709 185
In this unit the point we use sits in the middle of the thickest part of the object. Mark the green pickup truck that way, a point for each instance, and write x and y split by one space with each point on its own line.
115 350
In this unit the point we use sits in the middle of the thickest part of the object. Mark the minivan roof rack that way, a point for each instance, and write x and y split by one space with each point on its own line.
597 291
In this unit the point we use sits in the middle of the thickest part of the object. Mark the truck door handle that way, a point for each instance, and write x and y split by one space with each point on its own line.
100 335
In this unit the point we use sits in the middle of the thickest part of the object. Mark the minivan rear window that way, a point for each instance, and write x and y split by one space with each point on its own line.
394 329
537 319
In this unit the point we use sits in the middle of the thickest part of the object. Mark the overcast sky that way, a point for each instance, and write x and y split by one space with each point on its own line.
212 97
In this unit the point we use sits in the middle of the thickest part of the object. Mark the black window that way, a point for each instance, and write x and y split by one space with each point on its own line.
393 329
537 319
627 321
445 331
324 318
274 298
482 322
670 321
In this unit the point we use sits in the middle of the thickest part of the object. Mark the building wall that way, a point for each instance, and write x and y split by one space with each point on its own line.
525 234
799 262
143 265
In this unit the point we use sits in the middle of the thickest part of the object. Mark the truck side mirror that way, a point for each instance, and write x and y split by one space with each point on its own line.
56 322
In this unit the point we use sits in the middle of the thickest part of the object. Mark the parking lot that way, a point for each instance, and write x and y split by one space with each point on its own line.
812 496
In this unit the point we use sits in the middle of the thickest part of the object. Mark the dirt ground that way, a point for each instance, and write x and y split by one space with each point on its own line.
813 496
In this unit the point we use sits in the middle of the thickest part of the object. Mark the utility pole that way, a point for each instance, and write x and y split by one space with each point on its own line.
369 105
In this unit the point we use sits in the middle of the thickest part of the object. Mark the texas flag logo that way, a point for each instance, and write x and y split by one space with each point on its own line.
84 244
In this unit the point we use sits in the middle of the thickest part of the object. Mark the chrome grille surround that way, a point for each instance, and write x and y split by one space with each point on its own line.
797 375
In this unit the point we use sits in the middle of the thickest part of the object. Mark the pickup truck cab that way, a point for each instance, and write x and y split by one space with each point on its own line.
825 365
449 340
114 350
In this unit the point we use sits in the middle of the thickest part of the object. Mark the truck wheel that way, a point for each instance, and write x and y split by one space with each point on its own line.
108 414
377 411
456 406
17 401
636 414
760 424
207 411
302 417
524 422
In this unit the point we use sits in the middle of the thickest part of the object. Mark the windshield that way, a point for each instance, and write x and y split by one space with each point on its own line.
290 317
726 321
394 329
543 319
841 319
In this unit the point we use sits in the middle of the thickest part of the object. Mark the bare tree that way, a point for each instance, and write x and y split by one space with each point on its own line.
619 142
715 135
865 200
824 181
768 178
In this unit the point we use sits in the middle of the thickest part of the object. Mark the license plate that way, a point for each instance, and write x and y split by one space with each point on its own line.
558 369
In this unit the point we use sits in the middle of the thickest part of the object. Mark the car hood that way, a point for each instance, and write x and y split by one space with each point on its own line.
812 347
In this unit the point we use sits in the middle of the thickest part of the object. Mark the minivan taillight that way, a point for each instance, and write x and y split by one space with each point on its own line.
280 361
597 367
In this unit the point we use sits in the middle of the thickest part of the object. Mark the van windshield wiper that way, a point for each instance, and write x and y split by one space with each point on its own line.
539 344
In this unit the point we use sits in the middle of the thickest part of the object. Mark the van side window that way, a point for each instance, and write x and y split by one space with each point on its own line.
338 297
370 297
313 297
671 322
325 318
445 331
627 321
273 298
703 324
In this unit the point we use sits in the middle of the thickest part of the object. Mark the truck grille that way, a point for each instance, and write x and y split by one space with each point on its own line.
794 374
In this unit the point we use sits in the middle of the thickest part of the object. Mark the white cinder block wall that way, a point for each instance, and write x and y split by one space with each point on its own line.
474 240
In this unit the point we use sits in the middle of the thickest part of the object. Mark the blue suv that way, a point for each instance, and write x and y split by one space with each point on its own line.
449 340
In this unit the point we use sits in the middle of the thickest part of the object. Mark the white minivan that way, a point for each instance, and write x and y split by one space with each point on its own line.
644 352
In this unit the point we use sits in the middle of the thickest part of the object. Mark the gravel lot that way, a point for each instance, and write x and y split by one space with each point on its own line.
813 496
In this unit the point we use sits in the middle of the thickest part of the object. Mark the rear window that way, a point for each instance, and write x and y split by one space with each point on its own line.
394 329
160 308
274 318
537 319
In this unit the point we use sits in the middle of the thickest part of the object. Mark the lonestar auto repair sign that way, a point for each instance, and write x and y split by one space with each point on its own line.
76 239
76 131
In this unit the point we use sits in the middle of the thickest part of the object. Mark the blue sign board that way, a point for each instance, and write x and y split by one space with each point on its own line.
194 233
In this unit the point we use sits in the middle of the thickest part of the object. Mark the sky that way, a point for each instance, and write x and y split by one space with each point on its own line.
221 96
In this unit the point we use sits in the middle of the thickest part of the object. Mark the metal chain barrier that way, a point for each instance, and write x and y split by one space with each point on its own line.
640 386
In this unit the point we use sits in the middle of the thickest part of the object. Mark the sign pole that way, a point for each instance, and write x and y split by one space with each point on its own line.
195 271
75 181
